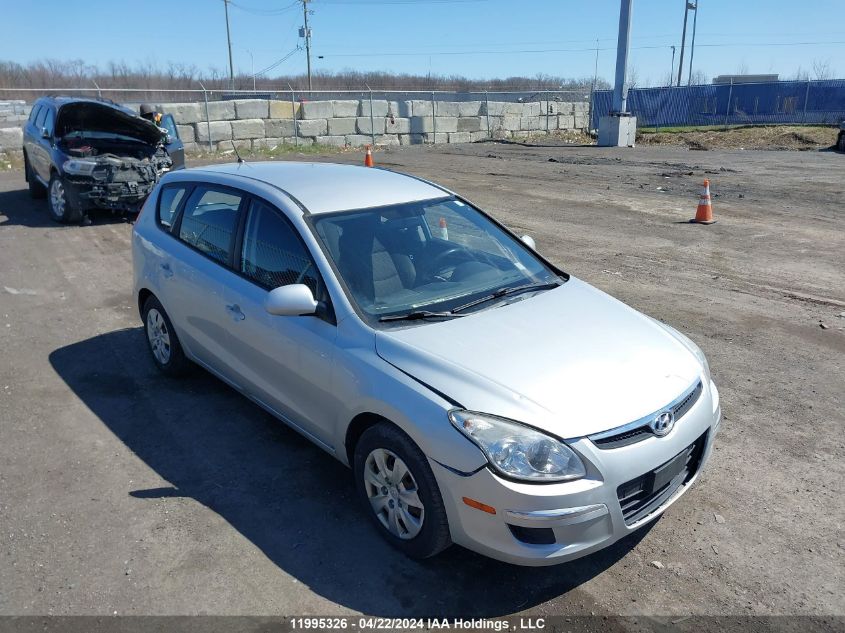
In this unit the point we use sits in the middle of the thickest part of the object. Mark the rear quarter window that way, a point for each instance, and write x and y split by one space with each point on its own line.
36 110
39 118
168 204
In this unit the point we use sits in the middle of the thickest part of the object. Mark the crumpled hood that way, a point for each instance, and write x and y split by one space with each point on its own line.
90 116
572 361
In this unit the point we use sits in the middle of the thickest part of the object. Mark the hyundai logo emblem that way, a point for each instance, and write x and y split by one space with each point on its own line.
662 423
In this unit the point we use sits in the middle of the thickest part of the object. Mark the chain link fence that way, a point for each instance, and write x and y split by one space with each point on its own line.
772 103
137 96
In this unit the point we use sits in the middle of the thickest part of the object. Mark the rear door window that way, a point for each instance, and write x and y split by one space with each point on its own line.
49 121
34 114
210 221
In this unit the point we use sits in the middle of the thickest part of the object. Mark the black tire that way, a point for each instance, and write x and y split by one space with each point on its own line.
433 536
36 189
840 142
174 362
59 203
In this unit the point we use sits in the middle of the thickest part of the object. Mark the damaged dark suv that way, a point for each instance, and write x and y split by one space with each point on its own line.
91 153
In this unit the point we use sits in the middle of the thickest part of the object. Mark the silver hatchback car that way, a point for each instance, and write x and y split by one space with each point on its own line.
480 395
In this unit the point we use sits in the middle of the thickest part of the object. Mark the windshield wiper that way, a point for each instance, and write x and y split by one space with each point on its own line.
418 315
504 292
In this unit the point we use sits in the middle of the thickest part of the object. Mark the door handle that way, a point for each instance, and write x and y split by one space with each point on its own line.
166 270
235 310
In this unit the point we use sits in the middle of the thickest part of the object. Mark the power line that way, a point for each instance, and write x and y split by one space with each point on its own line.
278 62
265 12
570 50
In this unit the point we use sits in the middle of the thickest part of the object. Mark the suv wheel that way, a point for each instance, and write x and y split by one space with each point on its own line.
162 340
36 189
399 492
61 208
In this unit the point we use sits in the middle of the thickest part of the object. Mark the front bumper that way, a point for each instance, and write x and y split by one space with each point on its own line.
117 196
546 524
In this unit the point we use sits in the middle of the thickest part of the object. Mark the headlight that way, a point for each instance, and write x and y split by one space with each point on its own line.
517 451
77 167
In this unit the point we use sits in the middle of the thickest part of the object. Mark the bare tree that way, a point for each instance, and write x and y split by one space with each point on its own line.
69 74
633 78
821 69
801 74
698 78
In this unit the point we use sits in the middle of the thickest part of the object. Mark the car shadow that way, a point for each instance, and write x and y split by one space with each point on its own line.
22 210
288 497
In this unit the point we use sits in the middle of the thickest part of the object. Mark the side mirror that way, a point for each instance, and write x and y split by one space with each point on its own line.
529 241
45 133
168 139
291 300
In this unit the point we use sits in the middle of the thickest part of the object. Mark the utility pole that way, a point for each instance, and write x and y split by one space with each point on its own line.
620 93
692 44
683 41
306 32
619 127
672 67
229 40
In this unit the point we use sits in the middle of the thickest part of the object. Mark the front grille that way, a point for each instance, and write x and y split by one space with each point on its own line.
634 435
641 496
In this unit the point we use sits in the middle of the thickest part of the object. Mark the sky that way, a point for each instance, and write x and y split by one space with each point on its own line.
475 38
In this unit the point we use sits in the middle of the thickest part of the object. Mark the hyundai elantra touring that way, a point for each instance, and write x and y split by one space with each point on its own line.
480 395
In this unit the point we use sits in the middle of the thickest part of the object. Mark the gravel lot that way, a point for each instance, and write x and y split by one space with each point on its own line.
124 492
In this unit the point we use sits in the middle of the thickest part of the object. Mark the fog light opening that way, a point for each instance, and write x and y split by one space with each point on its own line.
533 536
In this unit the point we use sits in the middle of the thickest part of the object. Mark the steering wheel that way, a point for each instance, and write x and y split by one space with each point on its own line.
438 263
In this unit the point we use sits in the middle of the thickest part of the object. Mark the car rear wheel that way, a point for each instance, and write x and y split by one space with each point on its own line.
61 208
399 492
162 340
36 189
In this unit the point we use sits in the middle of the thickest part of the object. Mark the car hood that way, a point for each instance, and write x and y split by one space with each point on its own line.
90 116
572 361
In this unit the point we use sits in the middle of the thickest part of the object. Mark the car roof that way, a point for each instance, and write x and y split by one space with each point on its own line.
330 187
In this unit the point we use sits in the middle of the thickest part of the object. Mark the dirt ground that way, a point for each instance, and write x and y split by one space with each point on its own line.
124 492
774 137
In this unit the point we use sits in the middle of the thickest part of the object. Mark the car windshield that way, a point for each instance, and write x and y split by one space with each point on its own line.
428 256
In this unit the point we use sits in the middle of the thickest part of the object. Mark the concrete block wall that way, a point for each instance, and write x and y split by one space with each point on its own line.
260 123
265 124
13 114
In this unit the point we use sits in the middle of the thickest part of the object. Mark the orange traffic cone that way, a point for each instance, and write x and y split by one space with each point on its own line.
704 213
368 159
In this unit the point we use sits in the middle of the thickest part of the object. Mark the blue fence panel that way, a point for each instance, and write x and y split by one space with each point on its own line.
779 102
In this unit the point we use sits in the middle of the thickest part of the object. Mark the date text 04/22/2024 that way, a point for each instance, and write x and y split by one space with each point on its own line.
409 624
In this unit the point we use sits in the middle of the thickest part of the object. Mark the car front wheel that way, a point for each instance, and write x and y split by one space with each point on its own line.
399 492
61 208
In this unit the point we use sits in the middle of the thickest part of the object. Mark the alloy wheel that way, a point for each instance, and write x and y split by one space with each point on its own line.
158 336
57 198
393 494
